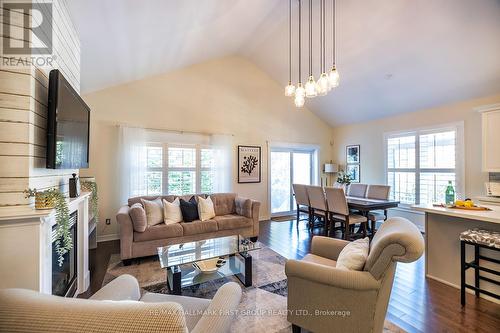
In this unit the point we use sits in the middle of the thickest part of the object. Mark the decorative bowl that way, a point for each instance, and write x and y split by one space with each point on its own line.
210 265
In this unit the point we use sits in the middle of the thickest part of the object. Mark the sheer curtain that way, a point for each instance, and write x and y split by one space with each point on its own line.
133 162
222 169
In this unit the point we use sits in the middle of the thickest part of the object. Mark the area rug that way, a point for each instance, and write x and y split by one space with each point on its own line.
263 305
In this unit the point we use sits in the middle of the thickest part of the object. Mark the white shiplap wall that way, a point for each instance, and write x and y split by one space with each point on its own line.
23 110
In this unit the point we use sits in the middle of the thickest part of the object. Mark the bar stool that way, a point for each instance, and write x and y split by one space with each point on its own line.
479 239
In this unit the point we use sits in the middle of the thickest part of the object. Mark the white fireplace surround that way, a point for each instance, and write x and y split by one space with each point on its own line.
26 246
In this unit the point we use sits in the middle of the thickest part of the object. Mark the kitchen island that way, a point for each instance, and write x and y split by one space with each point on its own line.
442 243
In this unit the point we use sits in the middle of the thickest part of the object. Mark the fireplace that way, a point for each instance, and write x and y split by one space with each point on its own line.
64 282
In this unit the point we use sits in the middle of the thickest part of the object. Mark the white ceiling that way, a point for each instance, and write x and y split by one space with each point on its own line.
394 56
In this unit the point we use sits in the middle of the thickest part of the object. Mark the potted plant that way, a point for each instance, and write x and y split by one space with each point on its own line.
54 199
344 179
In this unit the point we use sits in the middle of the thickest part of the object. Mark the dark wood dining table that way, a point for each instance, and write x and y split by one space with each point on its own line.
365 205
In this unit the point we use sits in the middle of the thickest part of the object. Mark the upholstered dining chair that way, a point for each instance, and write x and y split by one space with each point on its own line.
347 300
317 202
339 211
357 190
302 200
379 192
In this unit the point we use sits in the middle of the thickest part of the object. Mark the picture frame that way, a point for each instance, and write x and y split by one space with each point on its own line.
249 164
354 170
353 154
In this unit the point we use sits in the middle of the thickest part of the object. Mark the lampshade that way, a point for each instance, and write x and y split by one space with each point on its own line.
289 90
334 78
331 168
323 85
310 87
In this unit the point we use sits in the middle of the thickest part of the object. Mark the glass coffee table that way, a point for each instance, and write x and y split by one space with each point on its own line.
178 260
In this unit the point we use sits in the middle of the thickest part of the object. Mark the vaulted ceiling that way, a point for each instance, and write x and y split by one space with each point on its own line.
394 56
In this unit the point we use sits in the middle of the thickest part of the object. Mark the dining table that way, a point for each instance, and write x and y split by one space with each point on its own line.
366 205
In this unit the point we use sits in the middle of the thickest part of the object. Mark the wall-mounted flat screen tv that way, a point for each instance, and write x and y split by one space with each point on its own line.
68 125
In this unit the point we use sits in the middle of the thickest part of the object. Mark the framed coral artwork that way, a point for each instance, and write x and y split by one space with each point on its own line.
249 164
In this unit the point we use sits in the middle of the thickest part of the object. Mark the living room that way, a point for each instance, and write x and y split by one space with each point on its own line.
230 166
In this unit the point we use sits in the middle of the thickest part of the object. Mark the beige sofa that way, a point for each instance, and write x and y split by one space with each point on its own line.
349 301
118 307
234 216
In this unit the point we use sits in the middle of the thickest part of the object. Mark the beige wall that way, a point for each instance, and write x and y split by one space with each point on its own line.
370 135
228 95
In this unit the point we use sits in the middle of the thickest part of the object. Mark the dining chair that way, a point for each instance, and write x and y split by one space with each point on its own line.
317 203
302 200
379 192
357 190
339 211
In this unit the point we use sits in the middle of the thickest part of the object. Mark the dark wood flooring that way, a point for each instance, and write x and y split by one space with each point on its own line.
417 304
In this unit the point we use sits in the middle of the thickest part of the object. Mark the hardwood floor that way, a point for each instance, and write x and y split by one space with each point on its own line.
416 305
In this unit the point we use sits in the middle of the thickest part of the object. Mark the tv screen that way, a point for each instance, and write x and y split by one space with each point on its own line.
67 126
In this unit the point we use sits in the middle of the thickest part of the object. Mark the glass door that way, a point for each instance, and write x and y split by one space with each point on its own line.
289 166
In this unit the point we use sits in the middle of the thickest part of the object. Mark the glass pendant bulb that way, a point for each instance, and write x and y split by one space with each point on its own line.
334 78
311 88
323 85
300 96
289 89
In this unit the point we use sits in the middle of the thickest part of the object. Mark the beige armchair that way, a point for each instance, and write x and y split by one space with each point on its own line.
323 298
118 307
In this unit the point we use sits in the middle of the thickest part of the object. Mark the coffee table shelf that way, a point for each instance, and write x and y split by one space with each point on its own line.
178 259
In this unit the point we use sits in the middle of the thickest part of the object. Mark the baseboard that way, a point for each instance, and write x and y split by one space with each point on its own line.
470 291
106 238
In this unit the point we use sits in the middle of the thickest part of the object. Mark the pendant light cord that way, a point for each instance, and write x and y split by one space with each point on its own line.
290 41
334 37
300 41
310 38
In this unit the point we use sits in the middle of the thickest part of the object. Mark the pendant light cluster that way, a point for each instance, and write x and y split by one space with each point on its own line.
326 81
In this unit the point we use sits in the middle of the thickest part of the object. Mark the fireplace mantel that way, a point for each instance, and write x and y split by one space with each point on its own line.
26 246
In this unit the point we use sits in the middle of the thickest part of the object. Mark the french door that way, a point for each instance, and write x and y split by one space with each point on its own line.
289 166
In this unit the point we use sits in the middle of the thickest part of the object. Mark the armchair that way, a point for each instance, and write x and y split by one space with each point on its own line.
118 307
323 298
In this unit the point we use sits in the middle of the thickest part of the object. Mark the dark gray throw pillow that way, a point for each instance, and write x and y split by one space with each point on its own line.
189 210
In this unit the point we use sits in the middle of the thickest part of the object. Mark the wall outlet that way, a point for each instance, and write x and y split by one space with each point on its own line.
108 221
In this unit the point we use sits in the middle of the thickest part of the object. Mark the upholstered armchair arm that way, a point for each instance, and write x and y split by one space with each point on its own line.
345 279
126 232
123 288
221 311
327 247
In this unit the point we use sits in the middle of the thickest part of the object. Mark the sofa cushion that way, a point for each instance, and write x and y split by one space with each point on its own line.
189 210
154 211
172 211
224 203
232 221
206 208
319 260
199 227
353 255
244 207
138 216
159 231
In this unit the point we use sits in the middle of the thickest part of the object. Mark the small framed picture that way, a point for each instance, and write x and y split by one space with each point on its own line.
353 154
249 164
355 172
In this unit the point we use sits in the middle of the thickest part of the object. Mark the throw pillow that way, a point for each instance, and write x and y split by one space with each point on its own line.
353 256
138 216
154 211
189 210
206 208
172 211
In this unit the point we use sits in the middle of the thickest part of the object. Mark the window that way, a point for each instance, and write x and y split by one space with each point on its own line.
420 163
179 169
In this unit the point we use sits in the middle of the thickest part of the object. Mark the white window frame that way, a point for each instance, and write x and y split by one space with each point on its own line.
458 127
165 168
